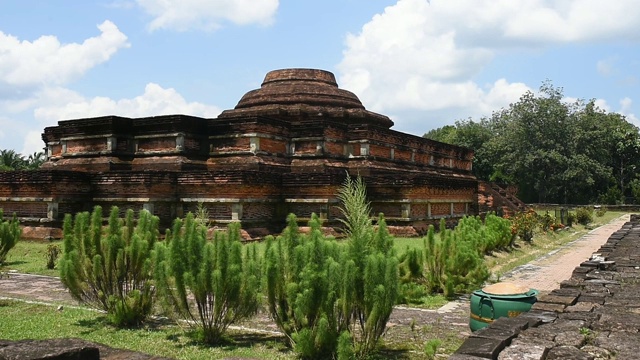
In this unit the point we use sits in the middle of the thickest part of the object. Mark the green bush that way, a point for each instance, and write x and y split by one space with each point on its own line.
111 268
584 215
333 299
571 218
208 283
431 348
499 230
453 264
10 234
524 223
601 211
547 222
53 251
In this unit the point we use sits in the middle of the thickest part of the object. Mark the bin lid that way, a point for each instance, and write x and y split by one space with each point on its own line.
505 288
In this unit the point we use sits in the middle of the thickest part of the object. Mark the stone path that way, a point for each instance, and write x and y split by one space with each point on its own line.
546 273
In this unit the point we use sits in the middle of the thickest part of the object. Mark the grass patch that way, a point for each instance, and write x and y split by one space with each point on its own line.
30 321
30 257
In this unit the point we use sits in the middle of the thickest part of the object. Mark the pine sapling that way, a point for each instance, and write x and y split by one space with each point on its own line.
111 268
10 233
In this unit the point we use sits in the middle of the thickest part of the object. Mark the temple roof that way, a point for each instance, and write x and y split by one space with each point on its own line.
310 91
300 86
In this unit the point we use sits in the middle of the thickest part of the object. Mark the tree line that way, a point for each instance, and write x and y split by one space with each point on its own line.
12 160
553 150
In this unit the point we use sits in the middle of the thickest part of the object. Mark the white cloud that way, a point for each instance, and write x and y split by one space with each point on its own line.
626 108
26 65
156 100
424 55
207 14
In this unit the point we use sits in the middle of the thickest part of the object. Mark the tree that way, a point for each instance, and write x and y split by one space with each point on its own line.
11 160
208 283
111 268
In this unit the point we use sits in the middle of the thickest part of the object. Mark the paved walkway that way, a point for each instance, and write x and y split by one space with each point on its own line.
546 273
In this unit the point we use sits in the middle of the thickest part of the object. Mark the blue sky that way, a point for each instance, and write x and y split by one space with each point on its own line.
423 63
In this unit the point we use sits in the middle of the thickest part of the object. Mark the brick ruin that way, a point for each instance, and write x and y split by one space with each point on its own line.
285 148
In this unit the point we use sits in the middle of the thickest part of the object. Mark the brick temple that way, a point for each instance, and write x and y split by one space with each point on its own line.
285 148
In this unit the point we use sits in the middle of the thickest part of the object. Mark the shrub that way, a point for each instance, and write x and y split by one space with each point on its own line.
584 215
547 222
305 285
431 348
10 233
499 229
571 218
53 251
111 269
452 264
524 223
601 211
209 283
333 299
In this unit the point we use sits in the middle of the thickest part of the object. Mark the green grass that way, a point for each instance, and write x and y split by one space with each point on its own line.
30 321
30 257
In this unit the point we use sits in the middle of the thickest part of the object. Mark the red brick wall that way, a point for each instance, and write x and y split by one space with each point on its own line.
459 208
230 144
306 147
439 209
156 144
258 211
24 209
86 145
389 210
273 146
418 211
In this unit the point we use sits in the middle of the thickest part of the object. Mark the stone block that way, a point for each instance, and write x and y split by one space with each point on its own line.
581 307
568 352
548 307
524 352
52 349
498 334
484 348
514 324
570 338
557 299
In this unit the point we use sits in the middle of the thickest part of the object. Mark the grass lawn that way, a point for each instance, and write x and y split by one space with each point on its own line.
30 257
30 321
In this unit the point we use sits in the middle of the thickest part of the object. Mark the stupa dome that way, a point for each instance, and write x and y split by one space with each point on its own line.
300 86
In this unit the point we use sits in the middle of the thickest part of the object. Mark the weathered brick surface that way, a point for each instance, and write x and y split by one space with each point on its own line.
595 313
286 146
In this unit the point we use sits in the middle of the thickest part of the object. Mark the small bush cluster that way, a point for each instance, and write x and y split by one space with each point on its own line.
53 251
524 224
453 264
111 268
10 233
333 299
601 211
208 283
584 215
